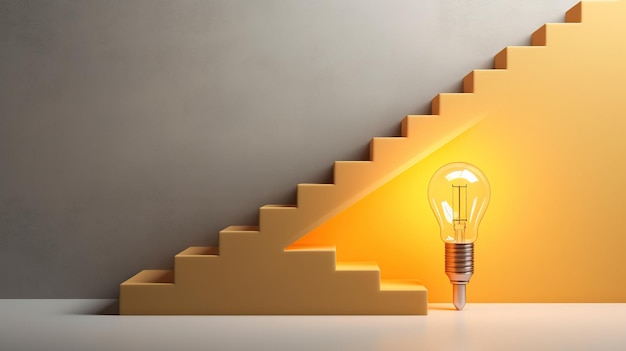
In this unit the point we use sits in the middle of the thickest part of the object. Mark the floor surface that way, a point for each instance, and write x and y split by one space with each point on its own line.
93 325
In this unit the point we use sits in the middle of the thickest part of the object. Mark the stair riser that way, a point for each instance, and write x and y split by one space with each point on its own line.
351 175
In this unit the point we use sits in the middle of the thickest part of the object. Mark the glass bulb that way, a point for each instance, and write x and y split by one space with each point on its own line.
458 194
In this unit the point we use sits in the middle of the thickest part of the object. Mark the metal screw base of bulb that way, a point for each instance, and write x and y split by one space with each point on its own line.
459 268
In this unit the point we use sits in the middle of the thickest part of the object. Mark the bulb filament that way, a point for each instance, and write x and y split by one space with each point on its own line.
459 209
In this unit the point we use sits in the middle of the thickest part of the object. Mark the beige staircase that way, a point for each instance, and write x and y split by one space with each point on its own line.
260 280
256 270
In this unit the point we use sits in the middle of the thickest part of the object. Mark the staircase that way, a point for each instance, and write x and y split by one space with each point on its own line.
259 269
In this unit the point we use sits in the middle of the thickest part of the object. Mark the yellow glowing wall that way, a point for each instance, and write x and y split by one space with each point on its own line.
553 145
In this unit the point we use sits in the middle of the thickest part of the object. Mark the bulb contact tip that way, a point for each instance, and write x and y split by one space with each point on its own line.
458 296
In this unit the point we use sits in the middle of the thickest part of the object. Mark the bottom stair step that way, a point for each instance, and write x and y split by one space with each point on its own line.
152 293
151 277
308 281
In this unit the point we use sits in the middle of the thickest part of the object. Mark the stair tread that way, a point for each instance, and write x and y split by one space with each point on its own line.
319 248
401 285
152 277
357 266
241 228
200 251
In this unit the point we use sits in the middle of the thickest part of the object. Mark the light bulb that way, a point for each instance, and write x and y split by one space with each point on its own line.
458 194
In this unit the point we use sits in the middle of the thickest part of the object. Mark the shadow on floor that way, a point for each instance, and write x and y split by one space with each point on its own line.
112 308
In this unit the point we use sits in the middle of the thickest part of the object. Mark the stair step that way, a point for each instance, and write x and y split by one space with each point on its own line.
345 171
322 258
484 80
500 61
278 206
238 239
575 14
275 210
401 285
447 104
384 150
240 229
558 34
194 261
519 57
357 266
363 276
409 128
151 277
280 221
275 215
540 36
588 11
312 195
310 248
199 251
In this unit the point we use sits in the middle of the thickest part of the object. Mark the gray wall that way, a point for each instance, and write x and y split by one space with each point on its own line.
132 129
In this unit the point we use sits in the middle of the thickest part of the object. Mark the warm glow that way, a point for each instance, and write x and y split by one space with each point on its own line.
553 153
449 191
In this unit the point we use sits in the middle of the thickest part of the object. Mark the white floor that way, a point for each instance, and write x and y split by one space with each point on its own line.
92 325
